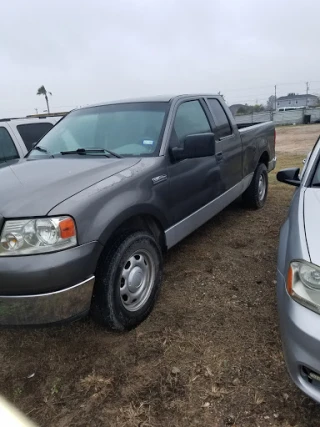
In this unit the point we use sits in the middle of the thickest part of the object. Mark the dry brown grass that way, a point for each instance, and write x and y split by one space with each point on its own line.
297 139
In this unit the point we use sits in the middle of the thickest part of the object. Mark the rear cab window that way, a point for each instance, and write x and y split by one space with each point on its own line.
32 132
222 125
8 150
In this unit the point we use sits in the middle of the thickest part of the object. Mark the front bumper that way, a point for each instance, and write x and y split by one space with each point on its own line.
47 288
272 164
52 307
300 333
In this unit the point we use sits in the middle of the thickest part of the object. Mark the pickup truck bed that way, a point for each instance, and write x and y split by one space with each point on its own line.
264 136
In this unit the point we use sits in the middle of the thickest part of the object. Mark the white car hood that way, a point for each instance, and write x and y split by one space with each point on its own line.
312 223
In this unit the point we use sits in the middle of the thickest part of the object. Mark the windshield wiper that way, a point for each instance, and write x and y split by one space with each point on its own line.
43 150
37 147
83 151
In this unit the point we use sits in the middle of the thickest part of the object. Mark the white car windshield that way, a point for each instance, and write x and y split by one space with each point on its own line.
316 177
132 129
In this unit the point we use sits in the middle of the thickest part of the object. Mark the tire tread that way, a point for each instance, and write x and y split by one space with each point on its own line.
251 195
102 309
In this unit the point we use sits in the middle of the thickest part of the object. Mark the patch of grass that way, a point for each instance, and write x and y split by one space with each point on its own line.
17 392
285 161
55 388
136 415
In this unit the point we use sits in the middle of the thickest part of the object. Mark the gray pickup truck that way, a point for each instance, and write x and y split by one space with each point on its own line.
86 217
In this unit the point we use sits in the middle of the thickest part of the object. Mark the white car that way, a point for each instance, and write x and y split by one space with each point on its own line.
17 136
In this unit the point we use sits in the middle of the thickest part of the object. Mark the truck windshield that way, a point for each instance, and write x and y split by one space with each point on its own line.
132 129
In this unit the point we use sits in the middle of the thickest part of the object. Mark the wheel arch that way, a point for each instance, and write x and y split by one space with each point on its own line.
264 158
135 219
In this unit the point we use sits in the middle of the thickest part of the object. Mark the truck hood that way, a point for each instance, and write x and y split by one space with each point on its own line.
312 223
34 187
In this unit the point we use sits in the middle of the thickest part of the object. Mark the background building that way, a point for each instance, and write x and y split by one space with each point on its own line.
293 100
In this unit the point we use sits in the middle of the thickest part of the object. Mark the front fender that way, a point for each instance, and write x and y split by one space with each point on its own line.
292 242
101 209
126 214
282 249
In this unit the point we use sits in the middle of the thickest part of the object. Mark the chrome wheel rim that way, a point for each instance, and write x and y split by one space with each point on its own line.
262 187
137 280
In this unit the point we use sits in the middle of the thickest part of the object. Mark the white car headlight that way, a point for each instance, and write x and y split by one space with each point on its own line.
303 284
37 236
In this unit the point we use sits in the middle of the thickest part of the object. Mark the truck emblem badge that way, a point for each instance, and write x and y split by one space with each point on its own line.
160 178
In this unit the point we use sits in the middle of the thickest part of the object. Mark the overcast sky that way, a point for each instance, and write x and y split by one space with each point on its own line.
90 51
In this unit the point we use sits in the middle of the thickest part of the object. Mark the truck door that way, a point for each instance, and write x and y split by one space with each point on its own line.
228 145
193 182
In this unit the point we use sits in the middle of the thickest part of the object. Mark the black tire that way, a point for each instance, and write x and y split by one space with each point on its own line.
252 197
108 305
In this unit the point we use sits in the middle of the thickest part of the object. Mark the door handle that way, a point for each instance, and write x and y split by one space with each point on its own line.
219 157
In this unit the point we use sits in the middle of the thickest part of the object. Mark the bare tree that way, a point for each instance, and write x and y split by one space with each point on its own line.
43 91
271 103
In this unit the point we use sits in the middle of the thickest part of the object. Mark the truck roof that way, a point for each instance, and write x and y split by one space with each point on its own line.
26 120
156 98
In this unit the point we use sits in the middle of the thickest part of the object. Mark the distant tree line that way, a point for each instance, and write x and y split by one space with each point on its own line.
257 108
249 109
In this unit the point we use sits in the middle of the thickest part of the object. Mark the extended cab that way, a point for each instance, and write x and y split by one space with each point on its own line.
85 218
17 136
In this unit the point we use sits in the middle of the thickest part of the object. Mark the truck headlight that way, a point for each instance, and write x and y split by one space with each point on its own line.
37 236
303 284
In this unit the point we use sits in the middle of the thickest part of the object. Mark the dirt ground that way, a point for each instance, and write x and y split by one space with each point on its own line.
297 139
209 355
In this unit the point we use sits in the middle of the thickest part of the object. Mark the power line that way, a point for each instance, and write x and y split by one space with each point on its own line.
267 86
290 83
254 96
251 88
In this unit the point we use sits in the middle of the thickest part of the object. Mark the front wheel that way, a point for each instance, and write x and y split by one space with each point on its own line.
128 281
256 194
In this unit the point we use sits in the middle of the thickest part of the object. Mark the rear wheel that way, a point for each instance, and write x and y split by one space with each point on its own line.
128 281
256 194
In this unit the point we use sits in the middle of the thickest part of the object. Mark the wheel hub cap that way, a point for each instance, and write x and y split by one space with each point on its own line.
137 280
262 187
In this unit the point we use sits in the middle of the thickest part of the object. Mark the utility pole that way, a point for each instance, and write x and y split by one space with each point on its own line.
307 92
220 94
275 97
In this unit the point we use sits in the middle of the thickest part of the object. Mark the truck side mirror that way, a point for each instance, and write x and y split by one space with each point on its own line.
289 176
194 146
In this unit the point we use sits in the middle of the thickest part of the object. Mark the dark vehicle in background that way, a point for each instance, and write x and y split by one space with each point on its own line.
86 217
17 136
